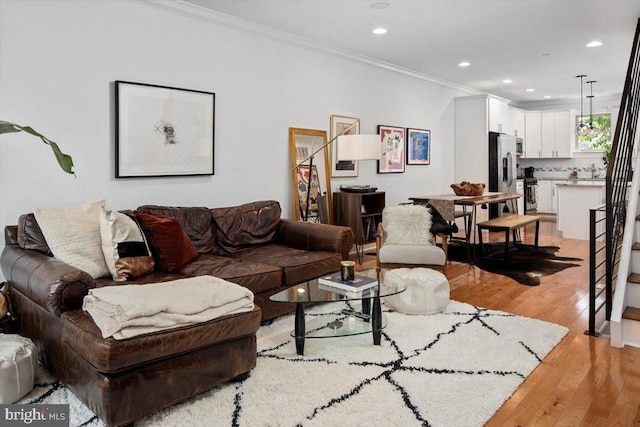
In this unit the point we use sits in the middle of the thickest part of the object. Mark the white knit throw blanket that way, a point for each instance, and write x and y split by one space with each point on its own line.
130 310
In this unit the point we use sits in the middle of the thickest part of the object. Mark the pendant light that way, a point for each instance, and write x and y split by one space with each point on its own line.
593 131
581 129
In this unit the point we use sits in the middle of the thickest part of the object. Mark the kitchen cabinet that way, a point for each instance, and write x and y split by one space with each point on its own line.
555 134
574 204
520 190
474 117
548 134
498 114
554 194
545 196
532 134
516 122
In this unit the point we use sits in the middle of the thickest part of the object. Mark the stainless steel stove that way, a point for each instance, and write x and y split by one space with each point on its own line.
530 195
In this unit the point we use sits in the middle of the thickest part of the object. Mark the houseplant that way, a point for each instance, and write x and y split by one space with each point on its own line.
64 160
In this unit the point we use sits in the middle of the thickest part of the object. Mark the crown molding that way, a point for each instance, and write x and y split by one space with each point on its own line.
601 103
207 15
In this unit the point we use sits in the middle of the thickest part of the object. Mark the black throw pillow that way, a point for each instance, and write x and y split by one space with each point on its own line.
438 223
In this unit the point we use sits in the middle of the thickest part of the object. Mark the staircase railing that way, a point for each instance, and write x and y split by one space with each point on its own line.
619 173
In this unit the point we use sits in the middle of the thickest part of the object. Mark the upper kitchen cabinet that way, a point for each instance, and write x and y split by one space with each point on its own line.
475 117
516 122
498 114
548 134
532 134
555 134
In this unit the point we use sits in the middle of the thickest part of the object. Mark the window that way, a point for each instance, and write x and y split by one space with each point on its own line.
600 142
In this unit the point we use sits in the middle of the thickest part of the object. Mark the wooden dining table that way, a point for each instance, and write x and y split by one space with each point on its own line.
446 203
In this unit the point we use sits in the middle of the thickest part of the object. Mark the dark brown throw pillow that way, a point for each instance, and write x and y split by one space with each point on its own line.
169 244
30 235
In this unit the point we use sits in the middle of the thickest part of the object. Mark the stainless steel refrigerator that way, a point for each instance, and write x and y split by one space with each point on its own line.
502 170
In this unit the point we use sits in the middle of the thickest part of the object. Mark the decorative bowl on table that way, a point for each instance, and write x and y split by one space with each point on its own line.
466 188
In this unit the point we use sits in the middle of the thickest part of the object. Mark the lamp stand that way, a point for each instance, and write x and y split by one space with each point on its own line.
310 159
306 208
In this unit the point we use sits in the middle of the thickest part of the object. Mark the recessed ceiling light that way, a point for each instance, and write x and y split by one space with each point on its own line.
531 90
547 96
594 43
379 31
380 5
507 81
464 64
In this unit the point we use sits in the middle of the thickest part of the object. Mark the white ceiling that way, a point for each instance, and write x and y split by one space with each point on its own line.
538 44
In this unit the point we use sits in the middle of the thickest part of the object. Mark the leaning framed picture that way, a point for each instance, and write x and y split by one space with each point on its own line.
343 168
308 191
418 146
391 149
163 131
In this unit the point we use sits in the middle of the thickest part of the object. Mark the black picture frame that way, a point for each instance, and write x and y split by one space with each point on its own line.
163 131
418 146
392 147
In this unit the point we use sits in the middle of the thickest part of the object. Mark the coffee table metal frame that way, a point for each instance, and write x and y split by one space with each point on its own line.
344 323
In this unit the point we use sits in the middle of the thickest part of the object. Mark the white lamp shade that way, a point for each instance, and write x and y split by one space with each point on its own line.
358 147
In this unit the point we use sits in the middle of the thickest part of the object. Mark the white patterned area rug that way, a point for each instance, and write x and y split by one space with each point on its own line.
450 369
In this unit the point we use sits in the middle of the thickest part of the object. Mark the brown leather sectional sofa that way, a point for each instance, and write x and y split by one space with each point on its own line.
125 380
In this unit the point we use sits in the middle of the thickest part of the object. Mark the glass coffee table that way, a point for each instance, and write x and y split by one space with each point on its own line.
345 322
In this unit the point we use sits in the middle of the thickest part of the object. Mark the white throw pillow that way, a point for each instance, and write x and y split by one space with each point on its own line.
123 246
407 225
73 235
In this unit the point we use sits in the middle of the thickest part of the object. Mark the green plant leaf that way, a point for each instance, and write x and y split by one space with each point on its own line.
64 160
6 127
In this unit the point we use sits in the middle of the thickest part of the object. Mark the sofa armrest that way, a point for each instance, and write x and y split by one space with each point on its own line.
315 237
50 283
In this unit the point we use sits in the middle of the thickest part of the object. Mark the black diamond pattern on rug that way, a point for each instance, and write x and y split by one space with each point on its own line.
454 368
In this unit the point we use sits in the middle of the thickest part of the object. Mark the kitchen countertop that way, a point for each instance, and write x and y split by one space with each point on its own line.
582 183
570 179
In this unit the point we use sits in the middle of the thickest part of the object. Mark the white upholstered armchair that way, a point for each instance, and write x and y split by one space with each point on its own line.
404 239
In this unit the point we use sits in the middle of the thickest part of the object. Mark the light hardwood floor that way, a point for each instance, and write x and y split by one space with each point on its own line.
583 381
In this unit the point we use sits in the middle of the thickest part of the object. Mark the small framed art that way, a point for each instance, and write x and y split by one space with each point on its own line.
343 168
418 146
163 131
391 149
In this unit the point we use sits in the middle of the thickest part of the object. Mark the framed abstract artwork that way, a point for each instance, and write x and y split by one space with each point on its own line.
163 131
418 146
343 168
391 149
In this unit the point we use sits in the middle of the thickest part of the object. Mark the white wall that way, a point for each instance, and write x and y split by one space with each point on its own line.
58 62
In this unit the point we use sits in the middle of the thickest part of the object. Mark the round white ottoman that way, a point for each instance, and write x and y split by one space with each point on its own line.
427 291
18 363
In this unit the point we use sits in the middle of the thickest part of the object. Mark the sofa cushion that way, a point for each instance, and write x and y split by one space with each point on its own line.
197 222
412 254
252 275
246 225
169 244
298 265
81 334
123 246
30 235
73 234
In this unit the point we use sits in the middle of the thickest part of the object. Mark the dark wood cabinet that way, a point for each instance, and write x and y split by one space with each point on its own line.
360 211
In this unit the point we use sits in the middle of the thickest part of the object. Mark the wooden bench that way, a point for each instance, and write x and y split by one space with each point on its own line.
508 223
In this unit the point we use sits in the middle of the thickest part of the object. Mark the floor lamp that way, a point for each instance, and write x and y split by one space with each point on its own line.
353 150
359 147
